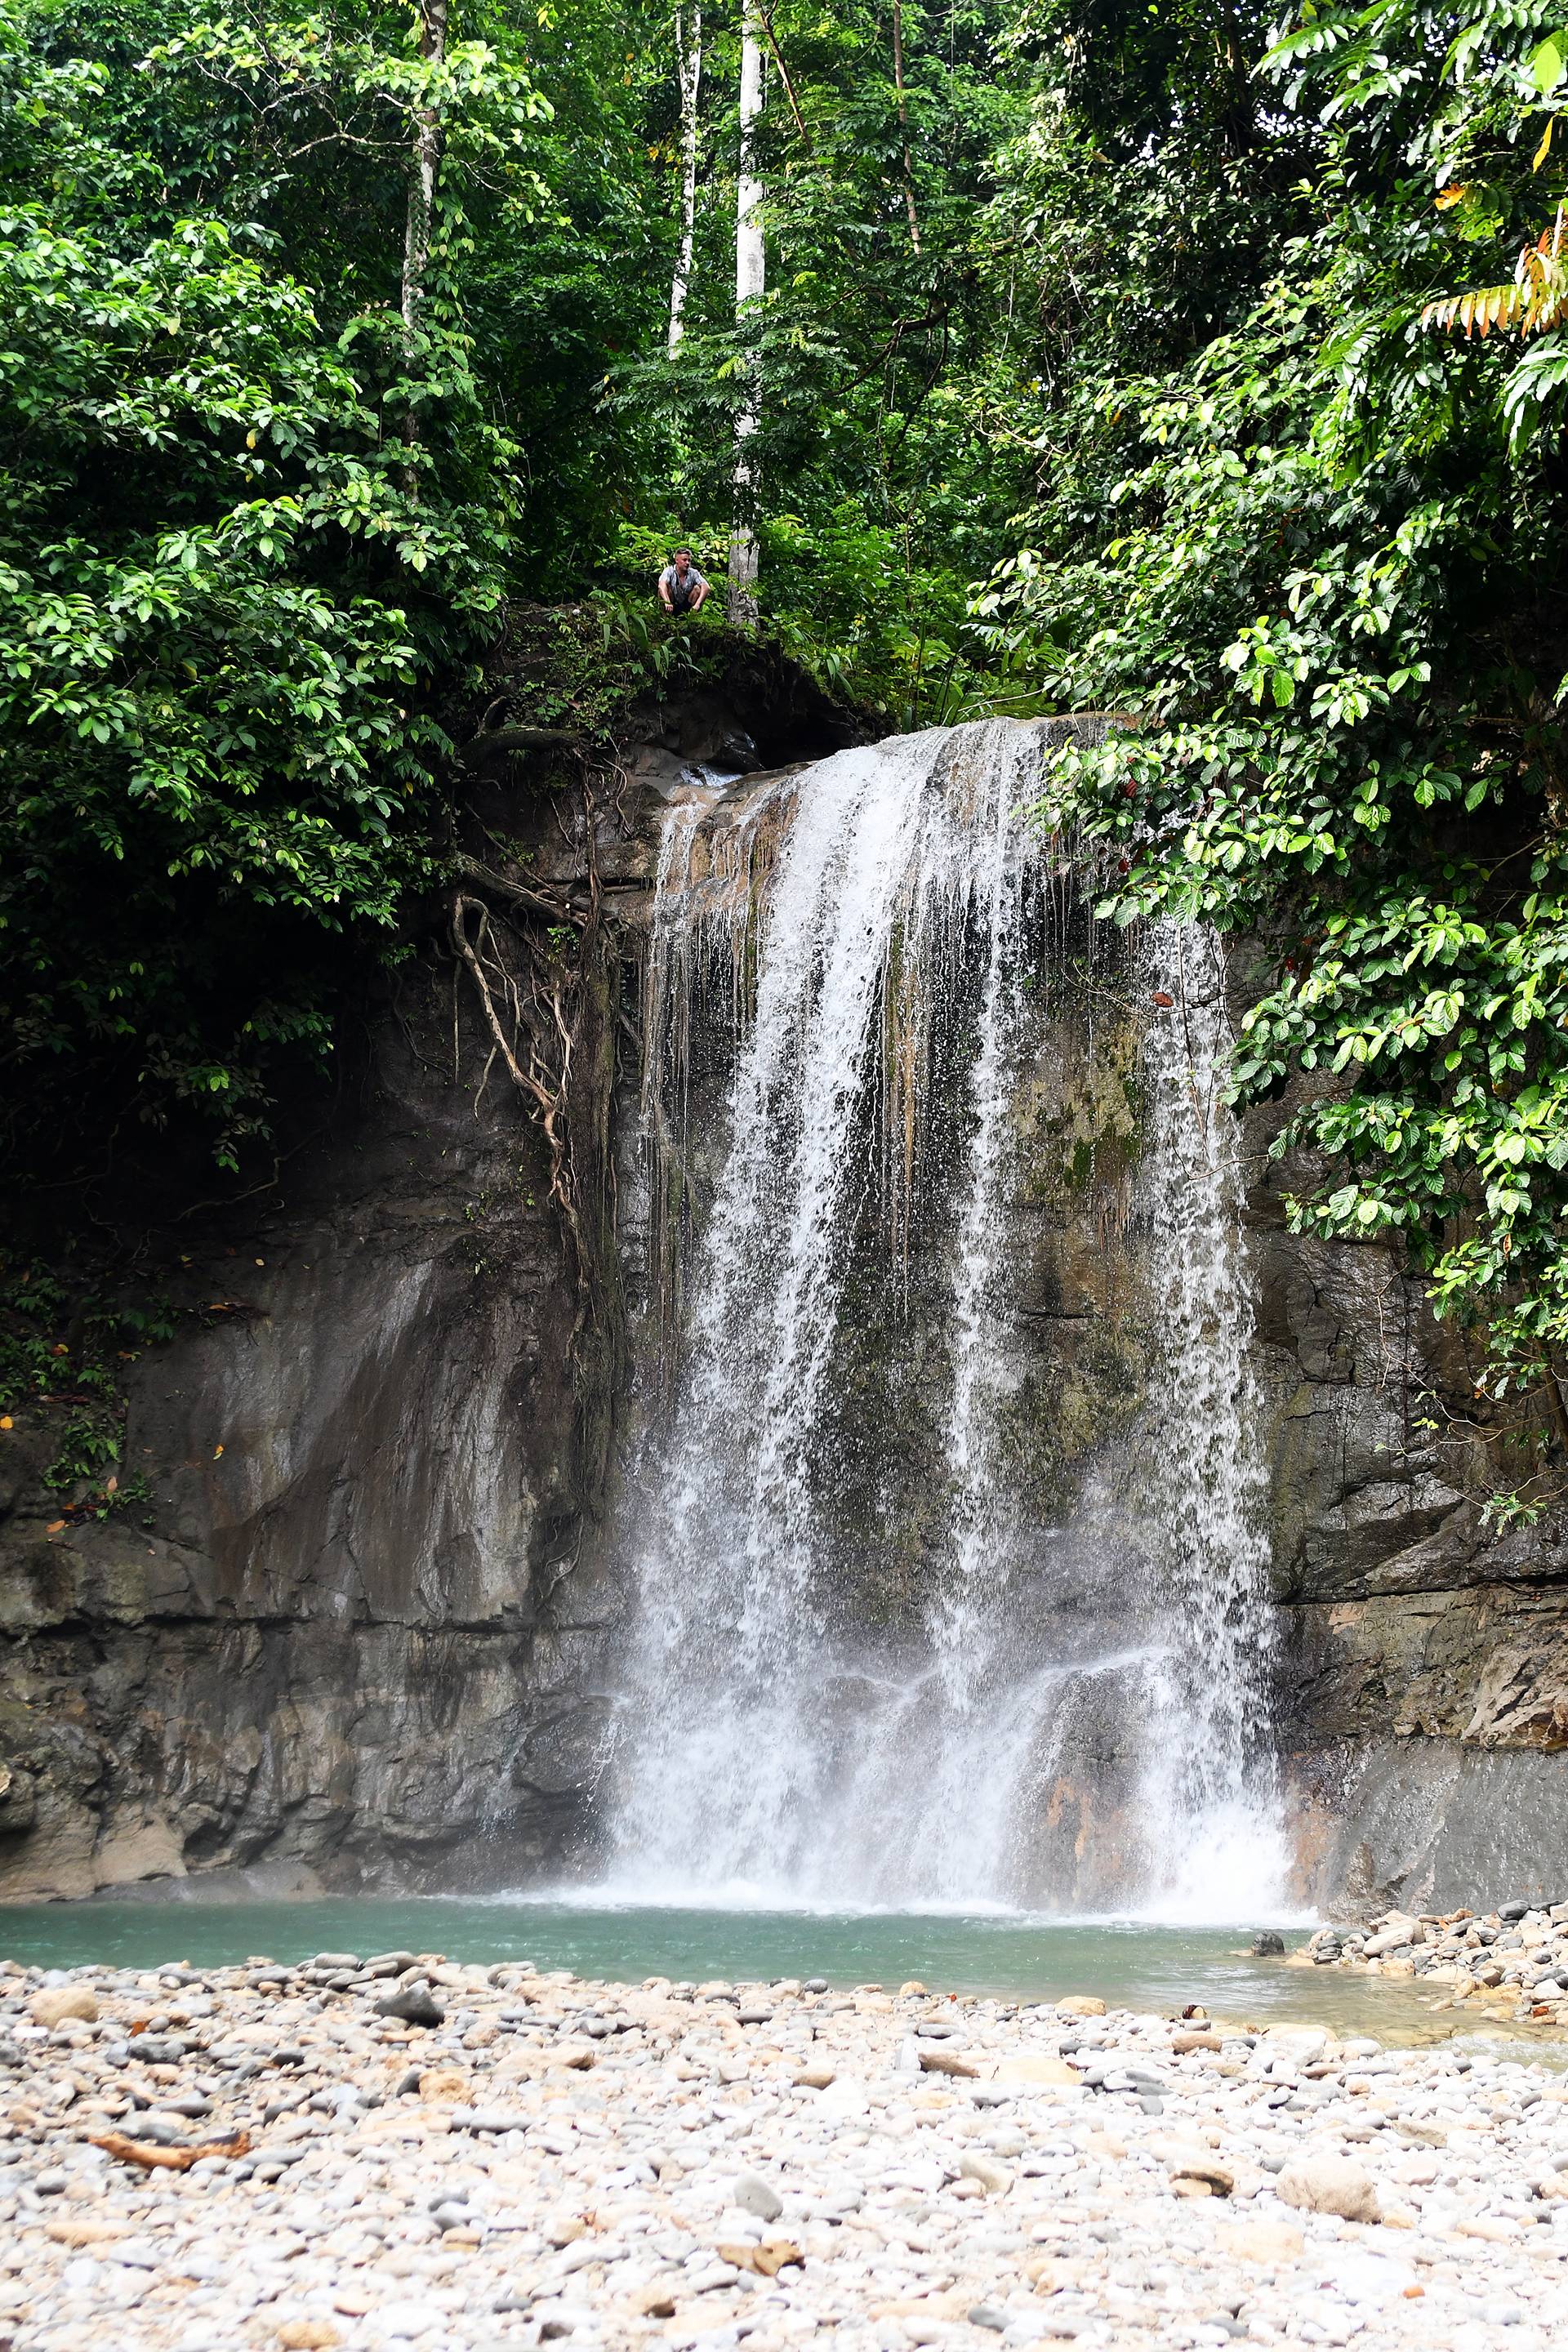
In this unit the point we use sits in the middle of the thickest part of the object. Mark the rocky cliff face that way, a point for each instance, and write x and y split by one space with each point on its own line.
329 1642
358 1631
1423 1658
352 1633
1422 1651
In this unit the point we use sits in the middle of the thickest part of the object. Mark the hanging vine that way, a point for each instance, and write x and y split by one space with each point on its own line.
537 969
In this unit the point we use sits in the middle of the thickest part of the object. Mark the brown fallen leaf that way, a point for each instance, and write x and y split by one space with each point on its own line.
776 2255
168 2160
766 2261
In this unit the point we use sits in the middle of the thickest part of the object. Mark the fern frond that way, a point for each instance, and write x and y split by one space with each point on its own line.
1536 301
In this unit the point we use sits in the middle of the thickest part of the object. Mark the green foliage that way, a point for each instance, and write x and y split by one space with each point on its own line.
882 351
65 1345
264 496
1227 355
228 566
1318 566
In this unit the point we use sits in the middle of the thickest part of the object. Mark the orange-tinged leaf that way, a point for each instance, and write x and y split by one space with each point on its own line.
54 1526
217 1451
1447 198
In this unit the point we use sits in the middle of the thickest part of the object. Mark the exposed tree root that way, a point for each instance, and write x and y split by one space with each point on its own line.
474 940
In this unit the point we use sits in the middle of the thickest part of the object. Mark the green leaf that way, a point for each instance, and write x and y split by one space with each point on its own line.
1548 63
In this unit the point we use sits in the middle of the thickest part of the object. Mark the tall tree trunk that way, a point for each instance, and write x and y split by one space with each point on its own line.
904 122
424 164
750 278
689 73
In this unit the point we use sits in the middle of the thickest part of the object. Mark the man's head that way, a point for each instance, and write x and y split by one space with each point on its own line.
683 559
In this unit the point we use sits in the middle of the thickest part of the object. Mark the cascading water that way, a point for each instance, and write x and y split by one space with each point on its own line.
884 944
1214 1799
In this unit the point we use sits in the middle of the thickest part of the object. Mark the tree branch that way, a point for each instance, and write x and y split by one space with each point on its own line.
538 902
783 77
494 740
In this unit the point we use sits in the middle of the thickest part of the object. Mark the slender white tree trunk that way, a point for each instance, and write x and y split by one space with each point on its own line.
425 165
750 278
689 72
904 123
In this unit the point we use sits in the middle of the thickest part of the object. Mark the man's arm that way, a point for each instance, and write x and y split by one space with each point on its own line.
700 595
664 594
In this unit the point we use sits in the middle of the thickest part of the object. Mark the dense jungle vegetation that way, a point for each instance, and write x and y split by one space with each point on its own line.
1192 362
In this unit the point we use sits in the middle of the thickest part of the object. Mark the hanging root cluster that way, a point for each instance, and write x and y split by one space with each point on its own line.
530 996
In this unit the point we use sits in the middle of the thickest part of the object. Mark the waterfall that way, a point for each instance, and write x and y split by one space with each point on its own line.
1213 1798
866 1663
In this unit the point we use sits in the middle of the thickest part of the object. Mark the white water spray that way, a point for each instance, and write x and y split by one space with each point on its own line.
1213 1795
765 1739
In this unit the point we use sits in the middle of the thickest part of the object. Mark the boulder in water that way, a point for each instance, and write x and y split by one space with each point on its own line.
1267 1944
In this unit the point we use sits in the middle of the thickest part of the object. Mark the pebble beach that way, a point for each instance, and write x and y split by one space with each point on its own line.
1510 1965
360 2153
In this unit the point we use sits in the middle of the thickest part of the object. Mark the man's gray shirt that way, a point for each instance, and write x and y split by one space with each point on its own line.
675 586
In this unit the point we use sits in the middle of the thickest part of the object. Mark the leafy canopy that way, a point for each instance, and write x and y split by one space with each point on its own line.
1318 561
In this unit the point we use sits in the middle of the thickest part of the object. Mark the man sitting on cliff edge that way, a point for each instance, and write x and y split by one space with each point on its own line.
681 587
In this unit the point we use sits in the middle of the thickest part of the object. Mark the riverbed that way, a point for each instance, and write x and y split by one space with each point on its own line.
373 2151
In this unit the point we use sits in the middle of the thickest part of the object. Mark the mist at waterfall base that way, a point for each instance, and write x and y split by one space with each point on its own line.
870 1663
